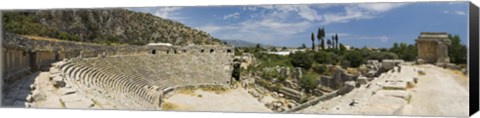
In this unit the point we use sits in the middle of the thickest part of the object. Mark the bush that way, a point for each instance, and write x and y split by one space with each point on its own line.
326 57
282 78
308 82
355 58
345 63
301 59
268 75
320 69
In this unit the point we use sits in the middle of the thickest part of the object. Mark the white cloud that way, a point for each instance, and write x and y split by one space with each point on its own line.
282 22
382 38
358 12
164 12
339 34
380 7
235 15
460 13
284 11
168 12
252 30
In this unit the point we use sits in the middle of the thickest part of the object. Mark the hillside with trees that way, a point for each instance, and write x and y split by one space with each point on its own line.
104 26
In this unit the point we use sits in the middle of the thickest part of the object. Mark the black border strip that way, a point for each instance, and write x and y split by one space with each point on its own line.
1 59
473 59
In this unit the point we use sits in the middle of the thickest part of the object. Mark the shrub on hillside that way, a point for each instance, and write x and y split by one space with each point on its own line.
301 59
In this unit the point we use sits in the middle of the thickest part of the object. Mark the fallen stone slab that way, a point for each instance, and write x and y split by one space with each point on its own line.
395 93
395 85
362 80
72 98
67 91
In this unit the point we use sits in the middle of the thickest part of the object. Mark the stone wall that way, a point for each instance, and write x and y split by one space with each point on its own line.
15 61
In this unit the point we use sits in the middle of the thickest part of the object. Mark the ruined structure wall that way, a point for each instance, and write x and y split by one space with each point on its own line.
15 61
427 51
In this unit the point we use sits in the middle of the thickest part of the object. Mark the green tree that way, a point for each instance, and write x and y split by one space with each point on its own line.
324 57
303 46
313 41
355 58
457 52
333 42
336 41
321 36
273 49
320 69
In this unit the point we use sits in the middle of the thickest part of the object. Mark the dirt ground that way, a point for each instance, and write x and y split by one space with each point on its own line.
233 100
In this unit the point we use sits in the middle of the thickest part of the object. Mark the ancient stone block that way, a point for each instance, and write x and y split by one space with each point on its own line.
66 91
433 47
388 64
58 81
395 85
362 80
38 95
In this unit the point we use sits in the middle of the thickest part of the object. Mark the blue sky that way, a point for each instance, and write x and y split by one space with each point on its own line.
357 24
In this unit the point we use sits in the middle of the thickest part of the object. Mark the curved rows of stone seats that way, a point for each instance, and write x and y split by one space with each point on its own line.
138 80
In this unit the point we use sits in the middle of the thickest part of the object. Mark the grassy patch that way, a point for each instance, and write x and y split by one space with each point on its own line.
187 91
421 73
169 106
62 103
217 90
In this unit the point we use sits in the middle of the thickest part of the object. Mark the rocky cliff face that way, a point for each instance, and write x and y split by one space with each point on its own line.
106 26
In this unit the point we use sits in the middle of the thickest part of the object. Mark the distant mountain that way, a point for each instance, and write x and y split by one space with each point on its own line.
240 43
103 26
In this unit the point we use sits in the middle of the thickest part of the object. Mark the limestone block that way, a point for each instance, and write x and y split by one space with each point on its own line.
58 81
371 73
66 91
29 98
395 85
71 98
38 95
362 80
388 64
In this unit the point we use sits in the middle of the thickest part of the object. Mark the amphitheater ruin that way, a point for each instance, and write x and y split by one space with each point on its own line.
62 74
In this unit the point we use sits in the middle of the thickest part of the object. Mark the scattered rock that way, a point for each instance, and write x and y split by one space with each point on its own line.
38 95
362 80
58 82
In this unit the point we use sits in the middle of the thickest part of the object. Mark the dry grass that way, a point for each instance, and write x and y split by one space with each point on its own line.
353 71
170 106
187 91
421 73
217 90
59 40
459 73
410 85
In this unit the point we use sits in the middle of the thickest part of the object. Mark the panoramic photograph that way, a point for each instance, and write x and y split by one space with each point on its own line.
405 58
